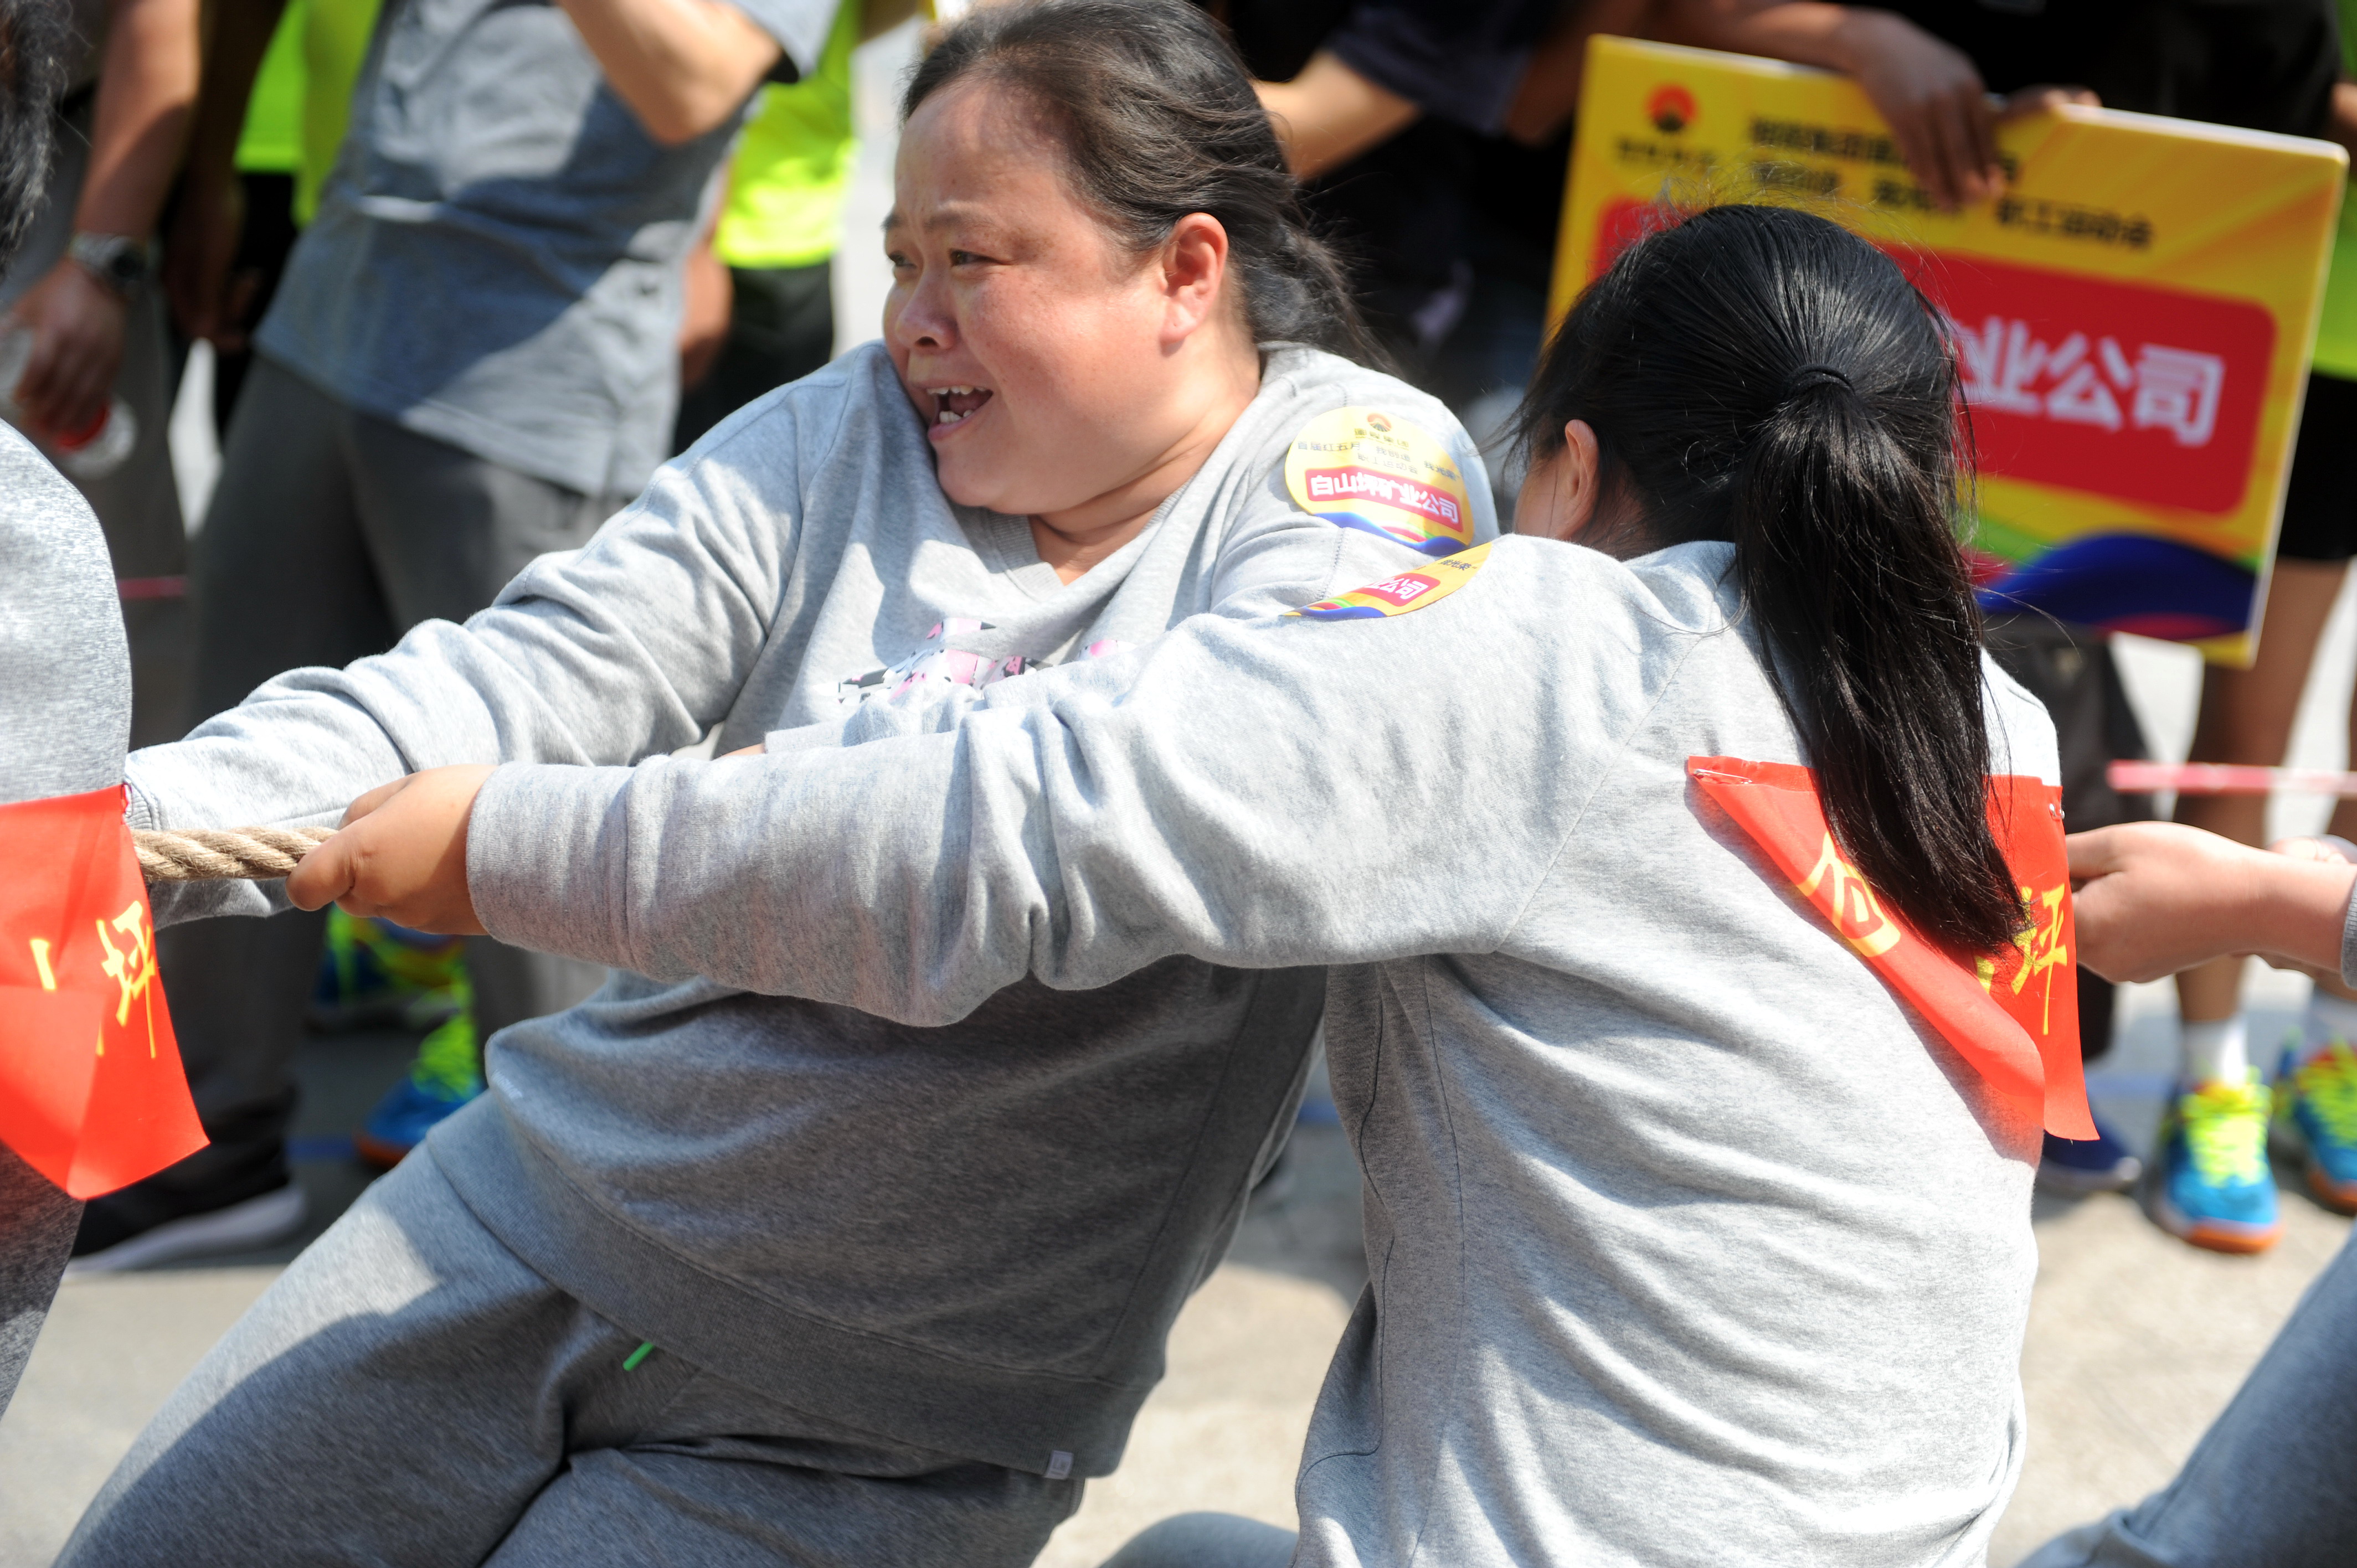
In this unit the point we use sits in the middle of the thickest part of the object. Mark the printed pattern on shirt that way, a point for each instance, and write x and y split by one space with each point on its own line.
939 662
1363 468
1398 595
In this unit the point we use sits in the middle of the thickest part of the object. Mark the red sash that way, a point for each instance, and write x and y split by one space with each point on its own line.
2013 1018
92 1094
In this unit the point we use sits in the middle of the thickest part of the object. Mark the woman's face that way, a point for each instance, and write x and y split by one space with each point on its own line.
1050 367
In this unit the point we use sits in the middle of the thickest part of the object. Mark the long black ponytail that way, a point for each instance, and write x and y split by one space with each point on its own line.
1761 375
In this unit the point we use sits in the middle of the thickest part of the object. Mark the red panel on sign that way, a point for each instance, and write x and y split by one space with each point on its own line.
2146 394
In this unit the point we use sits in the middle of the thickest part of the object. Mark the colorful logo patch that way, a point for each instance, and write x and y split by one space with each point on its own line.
1362 468
1397 595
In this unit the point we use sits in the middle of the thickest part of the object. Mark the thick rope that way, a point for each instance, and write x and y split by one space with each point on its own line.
215 854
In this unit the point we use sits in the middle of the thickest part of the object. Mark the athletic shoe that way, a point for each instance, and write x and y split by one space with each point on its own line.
2317 1107
448 1073
2072 1167
374 973
2211 1182
149 1223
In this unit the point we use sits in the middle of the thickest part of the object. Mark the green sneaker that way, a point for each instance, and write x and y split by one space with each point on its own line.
373 973
2210 1183
448 1073
2318 1115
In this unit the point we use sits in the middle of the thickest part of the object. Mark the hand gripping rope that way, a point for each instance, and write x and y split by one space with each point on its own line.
218 854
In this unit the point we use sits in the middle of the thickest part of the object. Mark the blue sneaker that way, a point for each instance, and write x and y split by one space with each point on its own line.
2318 1108
448 1073
2212 1186
2072 1167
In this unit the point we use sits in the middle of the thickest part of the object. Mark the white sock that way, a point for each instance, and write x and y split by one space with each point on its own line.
2215 1053
2330 1022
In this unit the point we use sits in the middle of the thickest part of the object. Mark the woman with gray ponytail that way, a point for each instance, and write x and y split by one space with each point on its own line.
1692 1238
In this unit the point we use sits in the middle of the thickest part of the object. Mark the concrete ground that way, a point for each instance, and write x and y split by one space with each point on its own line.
2135 1342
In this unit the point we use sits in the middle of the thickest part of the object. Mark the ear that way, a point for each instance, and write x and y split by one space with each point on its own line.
1570 482
1194 264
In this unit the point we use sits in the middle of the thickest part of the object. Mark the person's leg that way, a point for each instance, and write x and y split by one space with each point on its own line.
282 579
2269 1481
725 1477
36 1229
2316 1083
1206 1541
780 328
446 530
2246 717
2211 1182
397 1397
410 1392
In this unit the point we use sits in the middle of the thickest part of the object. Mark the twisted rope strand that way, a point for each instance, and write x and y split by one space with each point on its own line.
215 854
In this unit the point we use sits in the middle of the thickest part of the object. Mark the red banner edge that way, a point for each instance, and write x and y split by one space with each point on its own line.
2017 1070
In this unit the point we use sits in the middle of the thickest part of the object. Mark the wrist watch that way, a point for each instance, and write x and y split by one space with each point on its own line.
117 260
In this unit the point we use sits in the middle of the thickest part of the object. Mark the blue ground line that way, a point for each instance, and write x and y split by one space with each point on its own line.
321 1150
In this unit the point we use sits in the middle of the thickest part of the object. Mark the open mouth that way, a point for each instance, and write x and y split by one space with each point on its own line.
952 405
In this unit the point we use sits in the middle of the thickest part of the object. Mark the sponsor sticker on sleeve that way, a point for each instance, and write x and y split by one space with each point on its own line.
1398 595
1364 468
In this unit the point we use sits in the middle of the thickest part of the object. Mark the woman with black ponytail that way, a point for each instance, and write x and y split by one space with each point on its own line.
1692 1238
1763 378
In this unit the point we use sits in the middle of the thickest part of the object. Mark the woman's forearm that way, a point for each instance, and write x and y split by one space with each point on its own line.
683 66
146 96
1330 114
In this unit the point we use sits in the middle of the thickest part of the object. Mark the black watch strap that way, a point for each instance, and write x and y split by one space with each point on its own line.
115 260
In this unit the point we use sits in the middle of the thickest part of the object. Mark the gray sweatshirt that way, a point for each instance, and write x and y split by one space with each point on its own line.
1690 1244
65 718
972 1238
65 669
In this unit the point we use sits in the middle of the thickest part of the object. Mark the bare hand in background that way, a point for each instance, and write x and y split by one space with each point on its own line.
77 324
2156 897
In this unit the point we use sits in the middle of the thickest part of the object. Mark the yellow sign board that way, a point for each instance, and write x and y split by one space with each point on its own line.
2132 317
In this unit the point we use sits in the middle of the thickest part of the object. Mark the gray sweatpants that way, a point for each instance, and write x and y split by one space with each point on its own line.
2270 1482
36 1229
1206 1541
332 533
410 1392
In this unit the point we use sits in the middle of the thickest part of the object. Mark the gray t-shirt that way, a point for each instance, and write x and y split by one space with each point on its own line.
496 261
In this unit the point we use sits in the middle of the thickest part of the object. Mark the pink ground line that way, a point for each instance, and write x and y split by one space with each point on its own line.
131 588
2222 778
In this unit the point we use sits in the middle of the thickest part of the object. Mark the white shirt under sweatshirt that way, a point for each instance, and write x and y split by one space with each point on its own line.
1689 1242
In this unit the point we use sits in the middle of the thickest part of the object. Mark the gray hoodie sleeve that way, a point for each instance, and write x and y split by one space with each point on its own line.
65 672
1256 794
636 643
